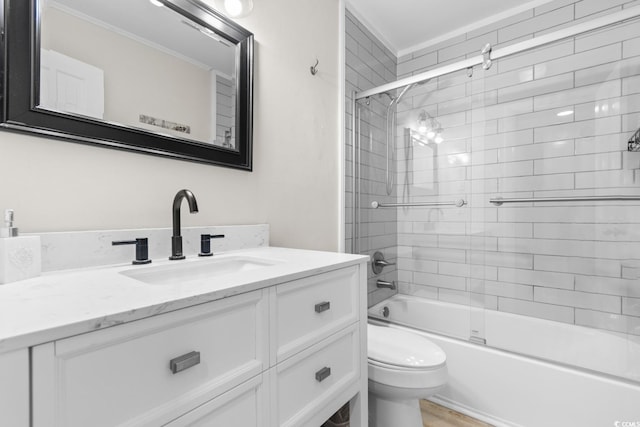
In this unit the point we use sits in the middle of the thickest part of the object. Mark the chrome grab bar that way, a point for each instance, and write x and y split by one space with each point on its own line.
498 201
459 203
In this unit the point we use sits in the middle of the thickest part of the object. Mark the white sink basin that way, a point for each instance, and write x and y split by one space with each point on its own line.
201 269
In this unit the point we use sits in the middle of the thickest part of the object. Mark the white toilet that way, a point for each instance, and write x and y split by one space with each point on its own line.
403 368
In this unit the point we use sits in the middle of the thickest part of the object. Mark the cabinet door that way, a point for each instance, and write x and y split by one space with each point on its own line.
14 388
244 406
149 372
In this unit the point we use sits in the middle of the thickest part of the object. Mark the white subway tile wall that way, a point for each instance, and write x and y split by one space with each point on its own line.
550 122
368 64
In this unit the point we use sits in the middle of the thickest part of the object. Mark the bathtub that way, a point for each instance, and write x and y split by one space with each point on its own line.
532 372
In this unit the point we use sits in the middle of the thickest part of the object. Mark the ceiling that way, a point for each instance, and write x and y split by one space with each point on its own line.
408 25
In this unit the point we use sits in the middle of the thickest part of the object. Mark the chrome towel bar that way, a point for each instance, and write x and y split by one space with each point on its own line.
459 203
499 201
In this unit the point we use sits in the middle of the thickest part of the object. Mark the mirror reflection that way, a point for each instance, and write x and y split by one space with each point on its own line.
139 64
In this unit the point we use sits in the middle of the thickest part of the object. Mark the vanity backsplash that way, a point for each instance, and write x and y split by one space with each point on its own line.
80 249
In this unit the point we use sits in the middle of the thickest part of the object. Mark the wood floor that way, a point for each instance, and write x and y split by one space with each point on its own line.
434 415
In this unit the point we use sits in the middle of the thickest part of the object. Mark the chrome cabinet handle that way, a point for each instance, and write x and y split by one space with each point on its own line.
323 373
323 306
184 362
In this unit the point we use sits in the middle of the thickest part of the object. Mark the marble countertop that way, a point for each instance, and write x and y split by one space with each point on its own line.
71 302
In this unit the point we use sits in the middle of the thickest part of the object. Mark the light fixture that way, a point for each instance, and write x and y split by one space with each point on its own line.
156 3
423 123
430 127
238 8
565 113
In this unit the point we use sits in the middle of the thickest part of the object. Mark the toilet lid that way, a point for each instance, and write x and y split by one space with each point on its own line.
401 348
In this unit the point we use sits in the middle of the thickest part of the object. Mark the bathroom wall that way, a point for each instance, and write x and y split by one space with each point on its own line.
551 122
55 185
369 64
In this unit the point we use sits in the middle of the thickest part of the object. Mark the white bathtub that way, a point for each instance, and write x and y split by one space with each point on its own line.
508 389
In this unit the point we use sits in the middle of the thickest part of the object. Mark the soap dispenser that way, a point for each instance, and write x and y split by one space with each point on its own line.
20 256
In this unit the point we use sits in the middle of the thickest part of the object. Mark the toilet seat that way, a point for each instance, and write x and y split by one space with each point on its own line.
398 349
403 359
403 368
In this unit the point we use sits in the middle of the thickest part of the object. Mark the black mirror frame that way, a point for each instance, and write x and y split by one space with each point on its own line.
19 85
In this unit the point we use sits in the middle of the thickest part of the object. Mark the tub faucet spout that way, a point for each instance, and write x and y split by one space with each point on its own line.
176 239
386 284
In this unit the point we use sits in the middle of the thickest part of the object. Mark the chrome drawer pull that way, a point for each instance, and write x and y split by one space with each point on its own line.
184 362
323 306
322 374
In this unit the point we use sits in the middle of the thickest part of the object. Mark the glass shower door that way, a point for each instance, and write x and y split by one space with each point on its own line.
555 198
432 191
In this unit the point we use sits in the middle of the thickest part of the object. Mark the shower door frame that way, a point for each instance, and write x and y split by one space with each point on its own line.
594 24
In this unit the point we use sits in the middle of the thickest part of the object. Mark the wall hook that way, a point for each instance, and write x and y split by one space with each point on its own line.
314 68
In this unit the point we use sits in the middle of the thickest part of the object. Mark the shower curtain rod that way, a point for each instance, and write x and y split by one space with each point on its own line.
533 43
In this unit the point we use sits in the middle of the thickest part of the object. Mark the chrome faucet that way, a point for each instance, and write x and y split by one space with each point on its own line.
176 239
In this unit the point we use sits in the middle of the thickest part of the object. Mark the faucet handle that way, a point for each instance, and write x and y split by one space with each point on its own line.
142 249
378 262
205 243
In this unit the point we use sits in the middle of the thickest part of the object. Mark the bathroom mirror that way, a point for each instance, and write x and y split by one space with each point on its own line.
164 77
422 155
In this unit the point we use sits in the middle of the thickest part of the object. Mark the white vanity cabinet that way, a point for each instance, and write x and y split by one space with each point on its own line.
314 340
14 388
286 355
305 311
124 375
307 382
244 405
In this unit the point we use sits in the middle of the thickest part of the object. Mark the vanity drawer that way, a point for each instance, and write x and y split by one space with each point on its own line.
124 375
243 406
305 311
306 383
